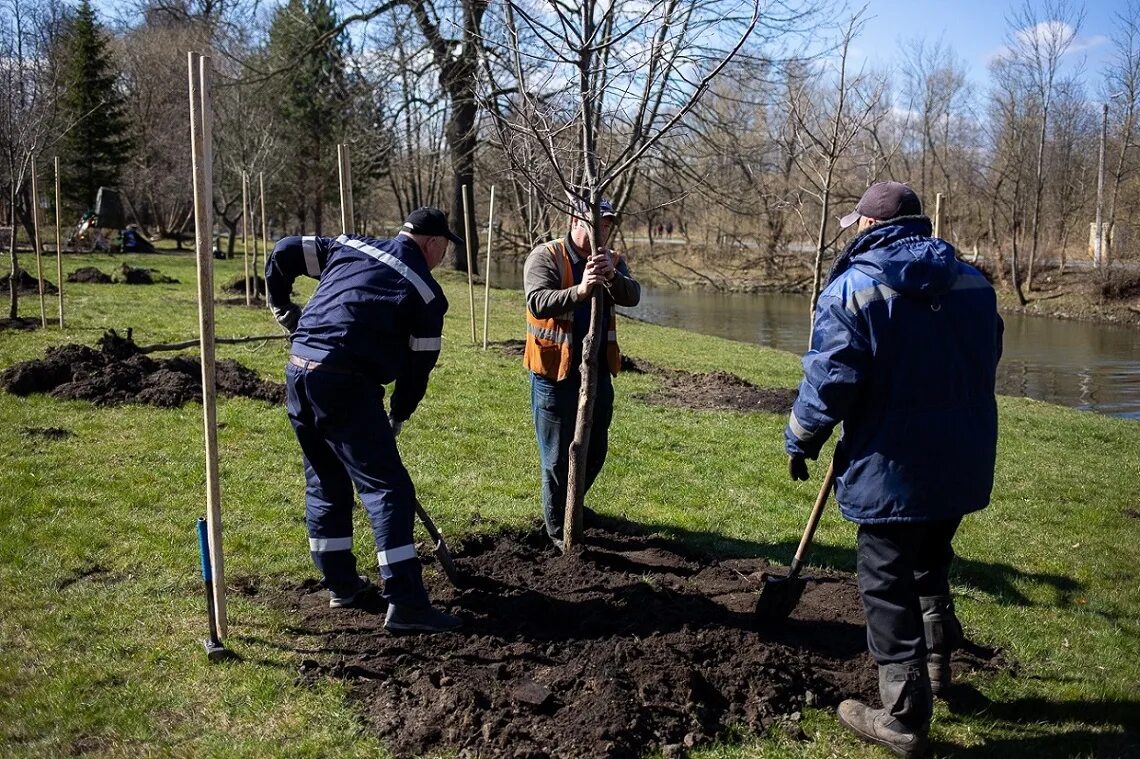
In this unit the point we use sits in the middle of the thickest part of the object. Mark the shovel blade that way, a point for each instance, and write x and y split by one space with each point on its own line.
778 597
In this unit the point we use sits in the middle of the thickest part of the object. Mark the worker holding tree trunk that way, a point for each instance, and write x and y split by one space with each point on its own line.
559 277
376 317
904 354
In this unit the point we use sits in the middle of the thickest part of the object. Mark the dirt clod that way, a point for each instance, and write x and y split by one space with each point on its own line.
26 283
89 275
117 374
131 275
237 286
47 433
633 646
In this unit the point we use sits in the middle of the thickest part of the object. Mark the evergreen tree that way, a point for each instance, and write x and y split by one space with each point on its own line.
97 143
312 104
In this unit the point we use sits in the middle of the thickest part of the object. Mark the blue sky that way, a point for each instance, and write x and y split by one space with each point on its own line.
975 30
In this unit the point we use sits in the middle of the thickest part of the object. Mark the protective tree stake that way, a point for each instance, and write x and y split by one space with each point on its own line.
245 211
39 245
344 166
203 158
58 246
467 244
487 268
264 233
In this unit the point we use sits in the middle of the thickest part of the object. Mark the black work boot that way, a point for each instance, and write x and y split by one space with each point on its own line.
943 635
402 618
901 725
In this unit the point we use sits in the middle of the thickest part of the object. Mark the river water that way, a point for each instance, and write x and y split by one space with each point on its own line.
1083 365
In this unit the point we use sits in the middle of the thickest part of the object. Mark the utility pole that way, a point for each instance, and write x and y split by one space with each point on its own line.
1098 242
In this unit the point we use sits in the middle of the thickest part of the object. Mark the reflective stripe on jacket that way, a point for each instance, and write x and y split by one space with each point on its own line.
550 342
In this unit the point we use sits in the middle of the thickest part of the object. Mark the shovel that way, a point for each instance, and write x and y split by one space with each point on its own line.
441 551
779 595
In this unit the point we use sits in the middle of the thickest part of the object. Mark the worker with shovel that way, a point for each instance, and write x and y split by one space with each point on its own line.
904 353
559 277
376 317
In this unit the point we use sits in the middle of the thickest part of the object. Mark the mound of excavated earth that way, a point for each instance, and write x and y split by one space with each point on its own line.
118 373
26 283
633 646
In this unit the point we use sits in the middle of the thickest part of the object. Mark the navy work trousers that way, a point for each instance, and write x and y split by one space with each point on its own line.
555 408
898 563
346 440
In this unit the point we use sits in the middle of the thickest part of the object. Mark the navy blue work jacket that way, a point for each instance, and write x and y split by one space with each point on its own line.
377 309
904 353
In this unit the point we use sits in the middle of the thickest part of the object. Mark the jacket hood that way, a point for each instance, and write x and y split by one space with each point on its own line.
901 254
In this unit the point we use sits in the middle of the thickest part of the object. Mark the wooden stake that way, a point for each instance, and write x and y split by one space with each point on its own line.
39 246
487 268
938 215
467 243
58 246
264 233
245 211
344 163
203 158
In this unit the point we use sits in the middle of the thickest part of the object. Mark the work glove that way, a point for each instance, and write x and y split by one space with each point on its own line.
287 317
396 426
797 468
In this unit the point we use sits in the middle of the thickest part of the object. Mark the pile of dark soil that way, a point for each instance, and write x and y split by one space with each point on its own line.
19 323
118 373
26 283
131 275
237 286
717 390
709 390
89 275
633 646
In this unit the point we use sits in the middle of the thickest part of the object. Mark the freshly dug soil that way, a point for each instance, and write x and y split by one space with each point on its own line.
718 390
237 286
709 390
117 374
130 275
89 275
26 283
631 646
19 323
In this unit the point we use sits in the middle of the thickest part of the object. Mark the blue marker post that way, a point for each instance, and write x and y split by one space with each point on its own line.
215 651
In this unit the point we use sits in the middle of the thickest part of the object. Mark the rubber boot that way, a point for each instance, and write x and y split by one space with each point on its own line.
943 635
902 724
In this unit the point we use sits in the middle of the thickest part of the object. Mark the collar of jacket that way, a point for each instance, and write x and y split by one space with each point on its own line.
882 234
572 249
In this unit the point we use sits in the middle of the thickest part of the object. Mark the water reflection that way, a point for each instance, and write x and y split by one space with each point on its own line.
1084 365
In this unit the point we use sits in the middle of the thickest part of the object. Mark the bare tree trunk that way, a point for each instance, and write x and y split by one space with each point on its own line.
14 270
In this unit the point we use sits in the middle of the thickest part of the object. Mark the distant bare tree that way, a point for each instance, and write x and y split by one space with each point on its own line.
1040 34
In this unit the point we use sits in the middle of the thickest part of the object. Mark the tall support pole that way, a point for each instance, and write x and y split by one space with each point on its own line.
203 159
344 164
264 232
1098 239
467 243
245 211
938 215
487 268
38 244
58 246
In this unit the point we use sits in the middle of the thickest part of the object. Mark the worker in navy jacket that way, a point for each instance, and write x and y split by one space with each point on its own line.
904 354
375 318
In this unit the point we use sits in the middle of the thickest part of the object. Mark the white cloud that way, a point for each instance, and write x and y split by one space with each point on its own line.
1046 34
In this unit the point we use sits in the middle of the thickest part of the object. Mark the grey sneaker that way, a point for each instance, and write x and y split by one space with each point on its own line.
339 602
427 619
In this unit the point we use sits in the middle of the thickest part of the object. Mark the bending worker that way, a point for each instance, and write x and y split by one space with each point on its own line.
904 354
376 317
559 277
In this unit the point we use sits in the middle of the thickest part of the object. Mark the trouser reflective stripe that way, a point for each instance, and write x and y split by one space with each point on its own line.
396 555
325 545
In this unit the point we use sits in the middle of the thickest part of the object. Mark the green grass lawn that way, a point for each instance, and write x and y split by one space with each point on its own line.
101 608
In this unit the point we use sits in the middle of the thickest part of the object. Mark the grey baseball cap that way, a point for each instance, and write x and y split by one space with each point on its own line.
884 200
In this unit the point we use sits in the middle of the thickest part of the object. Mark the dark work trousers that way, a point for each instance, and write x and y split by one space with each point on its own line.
346 440
555 408
898 563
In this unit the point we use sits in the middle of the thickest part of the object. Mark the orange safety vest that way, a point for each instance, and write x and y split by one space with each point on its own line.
550 342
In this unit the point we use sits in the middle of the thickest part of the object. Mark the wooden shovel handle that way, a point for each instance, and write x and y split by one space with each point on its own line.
816 512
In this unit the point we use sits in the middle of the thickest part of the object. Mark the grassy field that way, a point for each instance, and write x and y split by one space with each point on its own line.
100 599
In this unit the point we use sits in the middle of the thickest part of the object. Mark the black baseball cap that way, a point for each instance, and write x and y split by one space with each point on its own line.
884 200
430 222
